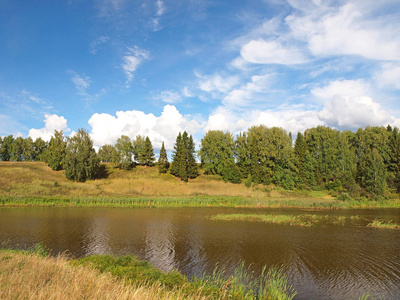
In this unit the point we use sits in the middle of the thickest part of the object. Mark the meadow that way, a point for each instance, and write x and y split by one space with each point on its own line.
34 183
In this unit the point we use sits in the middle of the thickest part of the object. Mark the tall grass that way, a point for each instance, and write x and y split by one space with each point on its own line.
30 274
383 224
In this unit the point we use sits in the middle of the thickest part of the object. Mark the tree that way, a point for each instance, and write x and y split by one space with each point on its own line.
56 151
184 163
216 151
39 149
138 149
123 156
163 164
106 153
16 149
191 164
5 151
148 157
373 173
81 161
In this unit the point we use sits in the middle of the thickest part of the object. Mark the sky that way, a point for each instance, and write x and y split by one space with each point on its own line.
158 67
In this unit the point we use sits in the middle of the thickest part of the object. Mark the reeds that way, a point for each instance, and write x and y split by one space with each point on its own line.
383 224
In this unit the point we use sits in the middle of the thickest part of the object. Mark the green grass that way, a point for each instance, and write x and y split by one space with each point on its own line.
383 224
307 220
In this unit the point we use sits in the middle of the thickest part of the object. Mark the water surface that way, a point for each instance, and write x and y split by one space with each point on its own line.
326 261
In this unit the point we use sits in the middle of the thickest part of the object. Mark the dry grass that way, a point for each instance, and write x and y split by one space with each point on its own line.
32 277
36 179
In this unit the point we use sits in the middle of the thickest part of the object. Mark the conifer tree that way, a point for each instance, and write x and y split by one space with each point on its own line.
175 153
183 158
163 164
191 165
148 157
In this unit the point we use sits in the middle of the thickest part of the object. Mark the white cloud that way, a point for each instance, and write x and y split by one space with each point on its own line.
347 88
52 122
247 94
261 51
347 30
160 8
355 112
217 83
106 129
81 82
133 58
170 97
94 45
389 75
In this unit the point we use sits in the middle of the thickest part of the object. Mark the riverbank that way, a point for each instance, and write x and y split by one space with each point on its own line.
35 275
35 184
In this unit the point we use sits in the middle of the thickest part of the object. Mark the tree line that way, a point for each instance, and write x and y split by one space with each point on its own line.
361 163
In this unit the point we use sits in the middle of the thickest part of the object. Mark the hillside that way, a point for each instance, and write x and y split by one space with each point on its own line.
36 179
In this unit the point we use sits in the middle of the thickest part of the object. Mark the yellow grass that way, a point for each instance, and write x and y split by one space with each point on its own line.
36 179
32 277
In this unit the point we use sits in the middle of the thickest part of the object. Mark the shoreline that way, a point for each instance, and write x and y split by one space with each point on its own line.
195 201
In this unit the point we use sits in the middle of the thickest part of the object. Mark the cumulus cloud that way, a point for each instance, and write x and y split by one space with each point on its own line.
355 112
131 61
348 88
292 120
52 122
347 30
106 129
261 51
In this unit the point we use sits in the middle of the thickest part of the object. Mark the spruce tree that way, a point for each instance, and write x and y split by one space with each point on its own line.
175 153
148 157
163 164
191 165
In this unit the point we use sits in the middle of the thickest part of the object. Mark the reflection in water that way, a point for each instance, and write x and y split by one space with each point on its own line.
322 262
160 245
96 239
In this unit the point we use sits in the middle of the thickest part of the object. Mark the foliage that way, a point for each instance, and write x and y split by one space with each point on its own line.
106 153
123 156
148 157
81 161
163 164
56 151
184 163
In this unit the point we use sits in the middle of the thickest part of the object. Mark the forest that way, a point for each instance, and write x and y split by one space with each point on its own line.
364 163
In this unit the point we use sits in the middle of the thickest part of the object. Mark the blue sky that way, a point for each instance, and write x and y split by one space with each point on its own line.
159 67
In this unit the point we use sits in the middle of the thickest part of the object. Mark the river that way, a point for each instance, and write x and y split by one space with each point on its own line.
325 261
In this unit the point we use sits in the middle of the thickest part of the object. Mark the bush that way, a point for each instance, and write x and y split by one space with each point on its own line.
344 197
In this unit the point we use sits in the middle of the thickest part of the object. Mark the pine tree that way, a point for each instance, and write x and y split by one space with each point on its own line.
191 164
175 153
163 164
148 157
56 151
183 158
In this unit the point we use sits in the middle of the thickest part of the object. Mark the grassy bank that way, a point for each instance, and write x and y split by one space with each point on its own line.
33 275
35 184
